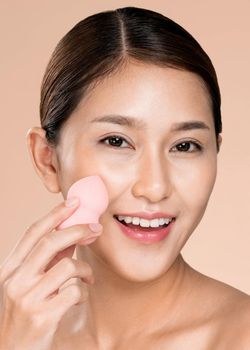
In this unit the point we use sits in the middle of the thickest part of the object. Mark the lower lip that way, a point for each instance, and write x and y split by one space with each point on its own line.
149 237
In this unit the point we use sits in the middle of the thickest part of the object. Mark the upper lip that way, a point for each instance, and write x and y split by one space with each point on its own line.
147 215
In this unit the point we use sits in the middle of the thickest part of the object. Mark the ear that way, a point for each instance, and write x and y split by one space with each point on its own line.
44 158
219 140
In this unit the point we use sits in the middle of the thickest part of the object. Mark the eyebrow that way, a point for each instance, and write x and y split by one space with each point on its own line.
140 124
120 120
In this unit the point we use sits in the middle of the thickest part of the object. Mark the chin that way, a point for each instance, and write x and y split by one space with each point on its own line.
133 263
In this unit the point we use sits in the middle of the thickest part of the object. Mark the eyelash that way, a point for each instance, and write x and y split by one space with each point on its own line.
198 147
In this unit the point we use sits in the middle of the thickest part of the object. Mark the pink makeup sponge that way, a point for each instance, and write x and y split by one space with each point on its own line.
93 196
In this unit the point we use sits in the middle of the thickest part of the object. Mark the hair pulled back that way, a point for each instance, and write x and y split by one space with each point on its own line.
102 44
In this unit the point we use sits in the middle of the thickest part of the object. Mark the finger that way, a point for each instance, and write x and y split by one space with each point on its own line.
32 235
58 275
68 252
51 244
74 294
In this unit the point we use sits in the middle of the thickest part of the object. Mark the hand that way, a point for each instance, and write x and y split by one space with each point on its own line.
32 304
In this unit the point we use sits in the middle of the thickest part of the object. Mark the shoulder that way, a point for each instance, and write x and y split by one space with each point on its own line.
230 314
236 322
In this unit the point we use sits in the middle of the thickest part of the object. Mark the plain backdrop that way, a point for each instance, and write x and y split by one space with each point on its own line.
30 30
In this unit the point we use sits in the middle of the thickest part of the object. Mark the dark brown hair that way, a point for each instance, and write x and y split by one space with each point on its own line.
102 44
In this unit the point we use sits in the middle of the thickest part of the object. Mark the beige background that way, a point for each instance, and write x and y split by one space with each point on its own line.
30 30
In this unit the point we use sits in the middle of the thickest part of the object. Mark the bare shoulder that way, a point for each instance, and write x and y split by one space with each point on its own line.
230 314
236 322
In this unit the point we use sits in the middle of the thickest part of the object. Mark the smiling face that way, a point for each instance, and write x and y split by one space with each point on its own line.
149 162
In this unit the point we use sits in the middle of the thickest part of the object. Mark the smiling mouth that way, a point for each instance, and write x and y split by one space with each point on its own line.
140 228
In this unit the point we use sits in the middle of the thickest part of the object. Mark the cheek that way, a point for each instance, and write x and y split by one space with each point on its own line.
196 183
114 170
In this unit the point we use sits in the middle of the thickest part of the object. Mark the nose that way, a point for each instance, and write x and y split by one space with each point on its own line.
153 178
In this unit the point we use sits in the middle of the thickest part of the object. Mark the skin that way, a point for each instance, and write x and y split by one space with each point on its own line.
144 173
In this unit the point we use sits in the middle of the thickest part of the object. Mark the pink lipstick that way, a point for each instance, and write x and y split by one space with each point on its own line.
145 235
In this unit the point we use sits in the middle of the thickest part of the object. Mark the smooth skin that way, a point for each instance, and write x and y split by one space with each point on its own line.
30 277
145 296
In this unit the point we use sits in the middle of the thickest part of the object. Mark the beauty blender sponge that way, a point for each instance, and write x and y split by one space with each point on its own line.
93 196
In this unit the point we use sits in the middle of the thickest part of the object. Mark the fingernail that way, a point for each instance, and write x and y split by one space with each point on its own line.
72 202
95 227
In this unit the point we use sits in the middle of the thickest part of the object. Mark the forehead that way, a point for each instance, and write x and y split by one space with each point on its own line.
148 92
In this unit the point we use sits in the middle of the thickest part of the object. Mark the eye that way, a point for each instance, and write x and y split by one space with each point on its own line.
188 147
114 141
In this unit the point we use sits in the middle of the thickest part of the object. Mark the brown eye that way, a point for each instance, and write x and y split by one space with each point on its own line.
183 147
114 141
188 147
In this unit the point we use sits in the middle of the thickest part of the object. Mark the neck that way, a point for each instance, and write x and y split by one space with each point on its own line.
119 308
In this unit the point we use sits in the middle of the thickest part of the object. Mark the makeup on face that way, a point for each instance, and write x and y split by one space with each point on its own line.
154 147
143 230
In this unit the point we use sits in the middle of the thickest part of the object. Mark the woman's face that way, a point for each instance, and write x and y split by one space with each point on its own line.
145 169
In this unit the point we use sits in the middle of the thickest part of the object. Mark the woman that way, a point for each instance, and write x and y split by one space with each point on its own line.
131 96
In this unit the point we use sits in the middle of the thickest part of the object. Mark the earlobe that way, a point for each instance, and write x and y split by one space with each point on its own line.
43 158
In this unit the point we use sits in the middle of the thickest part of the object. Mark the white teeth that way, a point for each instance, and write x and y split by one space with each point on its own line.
144 222
161 221
128 219
136 221
155 223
